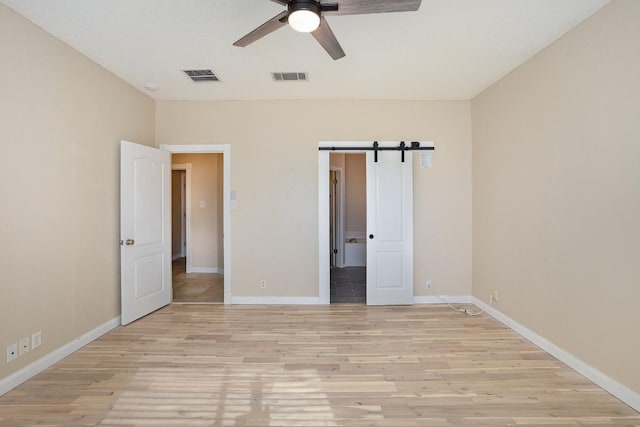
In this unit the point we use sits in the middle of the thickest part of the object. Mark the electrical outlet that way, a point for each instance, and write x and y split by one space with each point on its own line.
12 352
25 346
263 283
429 284
496 295
36 340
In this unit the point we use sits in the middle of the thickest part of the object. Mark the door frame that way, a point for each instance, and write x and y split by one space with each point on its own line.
225 150
323 206
324 244
185 233
340 216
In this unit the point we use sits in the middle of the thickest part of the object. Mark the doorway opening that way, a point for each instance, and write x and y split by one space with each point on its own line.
347 228
207 248
197 228
389 220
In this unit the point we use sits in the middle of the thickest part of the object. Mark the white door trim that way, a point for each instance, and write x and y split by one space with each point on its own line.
323 211
324 241
324 244
225 150
323 206
187 195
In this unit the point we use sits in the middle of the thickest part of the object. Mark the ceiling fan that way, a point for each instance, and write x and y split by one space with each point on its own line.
307 16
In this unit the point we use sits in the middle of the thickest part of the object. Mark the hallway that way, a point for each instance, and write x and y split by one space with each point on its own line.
196 287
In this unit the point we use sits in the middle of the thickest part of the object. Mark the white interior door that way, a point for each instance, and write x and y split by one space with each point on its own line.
389 229
145 230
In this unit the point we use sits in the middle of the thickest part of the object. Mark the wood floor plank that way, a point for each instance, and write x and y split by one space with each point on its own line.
344 365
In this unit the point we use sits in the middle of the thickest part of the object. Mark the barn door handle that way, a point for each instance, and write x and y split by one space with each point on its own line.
371 236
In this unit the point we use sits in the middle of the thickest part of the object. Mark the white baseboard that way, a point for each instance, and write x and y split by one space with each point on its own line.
34 368
620 391
452 299
206 270
276 300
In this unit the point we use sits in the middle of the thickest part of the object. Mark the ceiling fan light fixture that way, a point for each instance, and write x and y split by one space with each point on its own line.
304 16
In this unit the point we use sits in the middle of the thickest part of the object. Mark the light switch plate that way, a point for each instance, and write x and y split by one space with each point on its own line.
36 340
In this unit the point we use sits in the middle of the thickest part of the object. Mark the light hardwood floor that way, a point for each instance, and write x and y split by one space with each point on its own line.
342 365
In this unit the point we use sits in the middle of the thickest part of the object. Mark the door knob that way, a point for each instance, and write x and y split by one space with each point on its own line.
130 242
371 236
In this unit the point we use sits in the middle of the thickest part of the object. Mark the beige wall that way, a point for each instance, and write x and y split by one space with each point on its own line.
336 160
274 170
556 182
556 192
354 167
355 194
206 223
62 120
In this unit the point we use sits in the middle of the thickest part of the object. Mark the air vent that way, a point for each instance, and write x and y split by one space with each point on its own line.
289 77
202 75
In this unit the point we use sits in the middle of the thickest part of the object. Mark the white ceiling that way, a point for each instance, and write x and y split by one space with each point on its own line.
448 50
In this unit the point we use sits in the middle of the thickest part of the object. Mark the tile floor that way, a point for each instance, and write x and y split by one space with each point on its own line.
348 285
196 287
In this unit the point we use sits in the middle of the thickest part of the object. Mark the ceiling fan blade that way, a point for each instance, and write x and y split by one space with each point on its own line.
328 40
268 27
361 7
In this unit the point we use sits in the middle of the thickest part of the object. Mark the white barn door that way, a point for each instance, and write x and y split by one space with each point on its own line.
145 230
389 228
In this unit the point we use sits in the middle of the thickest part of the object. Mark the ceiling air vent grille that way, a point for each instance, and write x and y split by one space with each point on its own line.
290 77
202 75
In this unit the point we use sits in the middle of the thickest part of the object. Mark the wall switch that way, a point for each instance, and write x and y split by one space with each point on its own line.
234 200
426 160
429 284
36 340
263 284
12 352
24 346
